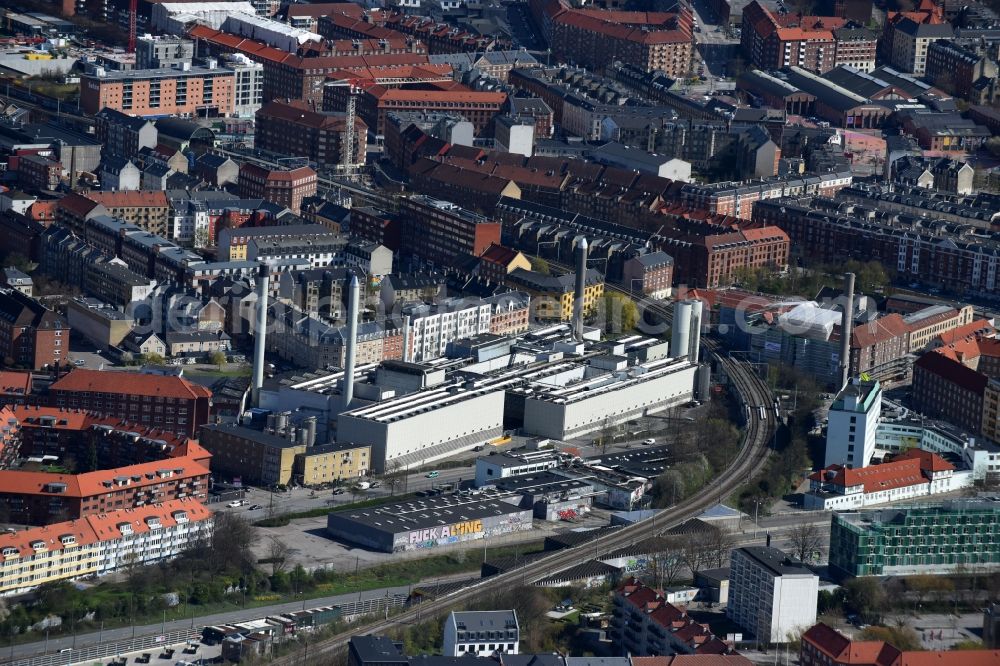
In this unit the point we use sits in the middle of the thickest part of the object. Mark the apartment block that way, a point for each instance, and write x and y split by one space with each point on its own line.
294 128
645 624
438 231
41 498
552 295
100 544
253 456
123 134
285 187
31 335
911 40
191 92
770 595
772 41
329 463
168 402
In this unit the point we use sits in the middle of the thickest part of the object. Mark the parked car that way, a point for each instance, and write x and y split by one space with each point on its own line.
255 507
237 503
649 442
376 484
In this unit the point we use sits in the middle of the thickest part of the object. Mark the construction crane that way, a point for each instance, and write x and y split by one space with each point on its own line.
133 9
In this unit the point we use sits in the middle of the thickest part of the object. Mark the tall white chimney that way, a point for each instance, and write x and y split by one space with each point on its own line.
581 288
260 332
347 386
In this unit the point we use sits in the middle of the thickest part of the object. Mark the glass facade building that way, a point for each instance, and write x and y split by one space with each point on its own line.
961 535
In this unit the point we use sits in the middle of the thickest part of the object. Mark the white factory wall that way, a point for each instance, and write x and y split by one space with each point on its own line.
430 435
582 416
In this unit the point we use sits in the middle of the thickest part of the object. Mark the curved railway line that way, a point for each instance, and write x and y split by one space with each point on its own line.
759 430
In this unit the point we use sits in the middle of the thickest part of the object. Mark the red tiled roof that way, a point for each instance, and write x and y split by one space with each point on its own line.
952 371
96 483
946 658
843 650
18 383
883 328
301 113
76 204
973 328
102 527
899 473
134 383
499 254
929 462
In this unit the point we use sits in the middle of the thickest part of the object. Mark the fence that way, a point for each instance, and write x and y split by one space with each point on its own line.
103 650
156 641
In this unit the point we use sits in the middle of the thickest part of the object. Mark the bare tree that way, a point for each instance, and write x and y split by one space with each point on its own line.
693 552
394 475
665 569
277 555
719 545
806 539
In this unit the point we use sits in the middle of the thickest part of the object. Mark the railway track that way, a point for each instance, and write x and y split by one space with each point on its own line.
759 430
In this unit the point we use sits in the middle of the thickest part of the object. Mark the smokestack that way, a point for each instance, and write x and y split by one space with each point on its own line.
263 277
694 337
846 329
680 339
347 387
311 431
581 288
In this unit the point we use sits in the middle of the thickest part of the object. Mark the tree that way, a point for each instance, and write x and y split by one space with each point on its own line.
152 358
277 555
394 475
665 569
217 358
867 598
606 436
539 265
901 637
231 540
805 539
20 262
719 546
617 313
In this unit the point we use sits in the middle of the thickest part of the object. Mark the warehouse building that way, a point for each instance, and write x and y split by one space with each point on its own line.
431 522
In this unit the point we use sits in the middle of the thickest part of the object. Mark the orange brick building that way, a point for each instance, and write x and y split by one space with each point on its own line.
161 92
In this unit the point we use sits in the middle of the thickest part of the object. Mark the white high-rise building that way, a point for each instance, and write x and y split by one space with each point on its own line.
770 595
853 424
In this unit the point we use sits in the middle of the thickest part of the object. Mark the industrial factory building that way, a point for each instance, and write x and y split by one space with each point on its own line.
608 398
431 522
426 426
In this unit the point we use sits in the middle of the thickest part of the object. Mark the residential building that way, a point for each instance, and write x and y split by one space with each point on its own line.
101 324
914 473
117 285
645 624
18 280
928 324
951 383
437 231
772 41
429 328
168 402
770 595
294 128
945 131
101 544
156 52
855 47
330 463
377 226
123 134
823 645
285 187
31 335
119 174
191 92
478 107
372 259
652 274
553 295
216 170
42 498
402 288
593 38
957 68
253 456
498 261
474 633
248 87
35 172
936 539
318 252
853 420
233 242
309 342
910 41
